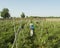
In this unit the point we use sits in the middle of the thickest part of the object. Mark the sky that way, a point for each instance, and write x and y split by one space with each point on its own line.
31 7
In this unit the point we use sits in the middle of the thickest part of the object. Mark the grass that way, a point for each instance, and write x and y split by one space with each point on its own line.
46 34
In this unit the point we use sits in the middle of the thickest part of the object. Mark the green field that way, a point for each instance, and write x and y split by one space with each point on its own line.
46 33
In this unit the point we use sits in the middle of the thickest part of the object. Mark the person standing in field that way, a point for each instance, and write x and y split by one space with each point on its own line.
31 29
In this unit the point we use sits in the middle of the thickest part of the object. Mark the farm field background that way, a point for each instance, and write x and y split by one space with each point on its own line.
46 33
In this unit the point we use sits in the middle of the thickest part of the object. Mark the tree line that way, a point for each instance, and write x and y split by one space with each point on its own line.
5 13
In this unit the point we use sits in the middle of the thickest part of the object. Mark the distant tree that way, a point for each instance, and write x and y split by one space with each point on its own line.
22 15
26 16
0 13
5 13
